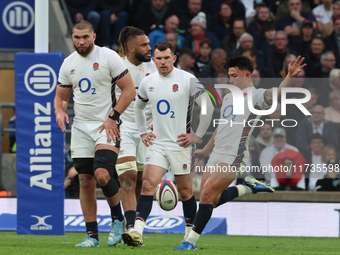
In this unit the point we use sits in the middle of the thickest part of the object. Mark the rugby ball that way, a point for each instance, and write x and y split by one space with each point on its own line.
167 195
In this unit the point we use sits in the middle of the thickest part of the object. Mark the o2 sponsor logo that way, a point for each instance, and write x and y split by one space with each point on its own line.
85 85
163 108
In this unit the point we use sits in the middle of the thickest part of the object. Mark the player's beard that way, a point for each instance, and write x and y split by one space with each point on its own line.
84 52
142 58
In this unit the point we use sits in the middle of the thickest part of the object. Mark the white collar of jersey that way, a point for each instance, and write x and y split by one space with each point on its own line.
129 63
95 49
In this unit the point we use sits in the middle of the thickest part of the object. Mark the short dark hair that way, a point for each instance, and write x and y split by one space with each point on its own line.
205 41
268 26
186 51
317 136
162 46
83 24
318 38
242 63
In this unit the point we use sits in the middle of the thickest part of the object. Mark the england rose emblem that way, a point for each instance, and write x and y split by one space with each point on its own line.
174 87
95 66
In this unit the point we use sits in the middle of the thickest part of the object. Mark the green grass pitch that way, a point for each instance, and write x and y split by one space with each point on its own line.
11 243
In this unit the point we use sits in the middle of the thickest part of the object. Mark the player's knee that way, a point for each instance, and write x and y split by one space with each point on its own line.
205 199
148 188
206 194
86 181
104 159
102 176
128 180
185 193
128 185
104 167
110 189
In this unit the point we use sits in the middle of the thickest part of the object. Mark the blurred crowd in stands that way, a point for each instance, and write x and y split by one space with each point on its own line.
206 33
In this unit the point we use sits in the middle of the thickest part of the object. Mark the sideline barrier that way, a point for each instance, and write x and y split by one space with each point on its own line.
154 224
244 218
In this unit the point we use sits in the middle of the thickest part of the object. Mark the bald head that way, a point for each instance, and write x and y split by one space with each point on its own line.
218 58
318 113
218 53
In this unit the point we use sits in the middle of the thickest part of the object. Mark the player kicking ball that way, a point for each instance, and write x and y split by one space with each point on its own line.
170 91
213 187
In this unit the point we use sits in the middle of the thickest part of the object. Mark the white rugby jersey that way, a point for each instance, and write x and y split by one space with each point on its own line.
92 80
171 99
233 140
137 74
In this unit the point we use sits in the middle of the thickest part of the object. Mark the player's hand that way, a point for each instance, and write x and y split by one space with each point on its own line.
200 153
111 130
294 67
194 138
61 117
184 140
147 138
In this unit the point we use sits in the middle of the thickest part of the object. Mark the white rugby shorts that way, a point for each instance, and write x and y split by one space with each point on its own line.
131 145
216 159
85 137
179 161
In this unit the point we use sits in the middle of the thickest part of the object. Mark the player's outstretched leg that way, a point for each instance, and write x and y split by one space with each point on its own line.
211 190
250 185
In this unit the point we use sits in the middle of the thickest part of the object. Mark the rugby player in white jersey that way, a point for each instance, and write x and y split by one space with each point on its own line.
170 92
135 51
92 73
229 145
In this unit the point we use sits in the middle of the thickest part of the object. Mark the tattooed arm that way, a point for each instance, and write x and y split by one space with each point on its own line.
294 68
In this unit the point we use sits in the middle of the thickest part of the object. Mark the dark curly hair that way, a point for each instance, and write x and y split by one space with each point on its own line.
242 63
